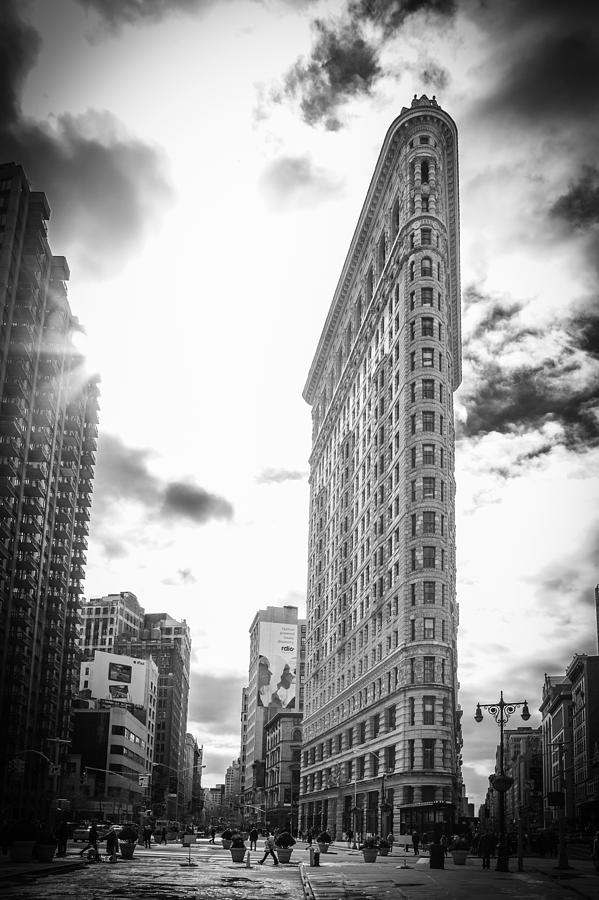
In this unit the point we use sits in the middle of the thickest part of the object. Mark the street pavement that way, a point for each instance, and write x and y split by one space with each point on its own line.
161 873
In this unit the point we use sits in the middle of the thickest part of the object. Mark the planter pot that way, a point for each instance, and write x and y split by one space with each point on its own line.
45 852
324 848
370 854
459 857
238 854
21 851
383 851
127 848
284 853
226 844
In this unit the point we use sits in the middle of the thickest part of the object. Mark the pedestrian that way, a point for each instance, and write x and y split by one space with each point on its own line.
485 847
147 836
112 845
350 836
595 851
444 844
416 842
92 841
390 841
269 848
309 837
163 837
212 835
62 834
253 836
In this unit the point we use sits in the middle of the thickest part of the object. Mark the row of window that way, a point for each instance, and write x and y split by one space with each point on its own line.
429 455
427 390
428 629
427 328
432 523
429 422
432 558
426 268
427 359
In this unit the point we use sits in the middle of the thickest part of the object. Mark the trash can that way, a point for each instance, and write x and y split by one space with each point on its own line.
314 857
436 856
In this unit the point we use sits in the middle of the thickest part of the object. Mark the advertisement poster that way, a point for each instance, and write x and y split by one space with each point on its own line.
277 664
119 678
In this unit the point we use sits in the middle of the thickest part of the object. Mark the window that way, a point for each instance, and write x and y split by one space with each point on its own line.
429 591
390 718
426 296
413 524
424 171
441 424
412 670
429 522
412 330
424 139
413 594
375 724
427 327
412 711
382 252
412 271
412 361
412 240
413 457
350 737
426 267
413 424
428 710
429 668
428 421
361 732
429 629
411 761
424 204
428 454
428 357
428 753
413 392
426 236
413 558
412 301
413 490
429 557
360 767
442 490
428 488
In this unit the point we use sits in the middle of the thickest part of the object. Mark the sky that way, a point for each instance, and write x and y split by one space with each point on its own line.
206 162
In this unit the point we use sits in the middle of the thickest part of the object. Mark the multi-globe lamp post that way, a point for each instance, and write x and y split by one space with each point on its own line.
501 712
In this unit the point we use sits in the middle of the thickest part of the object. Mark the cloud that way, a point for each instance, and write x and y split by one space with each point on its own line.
295 180
188 501
519 377
215 701
278 476
579 206
103 185
345 62
183 576
123 475
116 13
432 75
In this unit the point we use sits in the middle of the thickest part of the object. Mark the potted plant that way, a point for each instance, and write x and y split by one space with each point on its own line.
459 851
226 837
127 841
284 842
384 847
323 840
238 848
23 838
45 845
370 849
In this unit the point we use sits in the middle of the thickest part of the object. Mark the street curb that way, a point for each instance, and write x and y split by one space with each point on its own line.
306 886
564 884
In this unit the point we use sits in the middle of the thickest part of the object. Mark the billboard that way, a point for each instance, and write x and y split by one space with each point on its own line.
119 678
277 665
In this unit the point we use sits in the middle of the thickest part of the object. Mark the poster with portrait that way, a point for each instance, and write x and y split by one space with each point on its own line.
277 665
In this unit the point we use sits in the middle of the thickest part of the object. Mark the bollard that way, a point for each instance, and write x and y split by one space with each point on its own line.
247 860
314 857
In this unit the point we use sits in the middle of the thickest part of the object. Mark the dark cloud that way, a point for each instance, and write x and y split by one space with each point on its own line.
278 476
344 62
103 185
115 13
123 474
215 701
342 65
188 501
547 386
432 75
295 180
579 206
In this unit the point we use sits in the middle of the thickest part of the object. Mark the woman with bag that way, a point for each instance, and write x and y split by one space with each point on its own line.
112 845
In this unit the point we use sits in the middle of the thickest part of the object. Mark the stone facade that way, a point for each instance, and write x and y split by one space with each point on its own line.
381 721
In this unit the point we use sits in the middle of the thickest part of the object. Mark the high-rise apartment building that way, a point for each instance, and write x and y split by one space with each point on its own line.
275 682
105 618
48 435
168 642
381 721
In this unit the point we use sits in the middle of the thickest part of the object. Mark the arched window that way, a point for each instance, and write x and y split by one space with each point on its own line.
424 171
395 219
426 267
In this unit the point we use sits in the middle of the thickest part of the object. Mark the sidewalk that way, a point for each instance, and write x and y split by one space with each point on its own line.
29 871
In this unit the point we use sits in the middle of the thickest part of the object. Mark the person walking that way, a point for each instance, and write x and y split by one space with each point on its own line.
350 836
147 836
485 846
163 836
112 845
309 837
416 843
62 834
253 836
92 840
445 844
212 835
390 841
269 848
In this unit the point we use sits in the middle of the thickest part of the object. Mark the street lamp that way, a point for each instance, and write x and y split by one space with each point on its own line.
501 712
